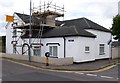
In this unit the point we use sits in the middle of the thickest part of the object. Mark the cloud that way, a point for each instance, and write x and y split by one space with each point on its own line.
99 11
95 8
6 3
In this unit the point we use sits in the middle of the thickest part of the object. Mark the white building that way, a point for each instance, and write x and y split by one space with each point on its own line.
79 38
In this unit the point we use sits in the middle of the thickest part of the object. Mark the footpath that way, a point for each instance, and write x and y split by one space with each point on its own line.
96 66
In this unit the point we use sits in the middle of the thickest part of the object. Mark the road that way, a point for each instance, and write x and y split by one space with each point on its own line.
0 70
15 72
111 74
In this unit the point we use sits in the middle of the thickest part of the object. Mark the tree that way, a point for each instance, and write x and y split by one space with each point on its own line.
116 27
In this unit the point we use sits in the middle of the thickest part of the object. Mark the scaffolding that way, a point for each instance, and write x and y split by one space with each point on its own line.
47 15
48 9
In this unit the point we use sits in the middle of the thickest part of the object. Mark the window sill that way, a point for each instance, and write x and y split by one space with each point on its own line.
102 54
87 51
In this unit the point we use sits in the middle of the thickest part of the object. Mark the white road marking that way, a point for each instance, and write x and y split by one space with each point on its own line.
106 77
94 75
91 74
79 73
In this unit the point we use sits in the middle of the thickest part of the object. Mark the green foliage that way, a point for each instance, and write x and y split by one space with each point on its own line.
116 27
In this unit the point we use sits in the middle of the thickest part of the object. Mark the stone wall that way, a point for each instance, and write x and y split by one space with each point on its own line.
115 52
53 61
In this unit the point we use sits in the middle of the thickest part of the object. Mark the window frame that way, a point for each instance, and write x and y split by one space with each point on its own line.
101 49
37 49
53 47
87 51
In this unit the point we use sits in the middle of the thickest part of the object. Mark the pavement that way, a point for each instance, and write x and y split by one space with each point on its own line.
96 66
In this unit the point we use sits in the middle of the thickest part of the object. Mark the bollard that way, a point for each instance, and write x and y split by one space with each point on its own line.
47 63
47 54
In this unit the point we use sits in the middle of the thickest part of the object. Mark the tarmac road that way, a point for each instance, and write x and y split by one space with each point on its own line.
0 70
111 74
15 72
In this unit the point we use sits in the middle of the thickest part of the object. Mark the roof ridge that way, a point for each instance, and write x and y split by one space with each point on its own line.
86 22
102 27
76 31
72 19
21 13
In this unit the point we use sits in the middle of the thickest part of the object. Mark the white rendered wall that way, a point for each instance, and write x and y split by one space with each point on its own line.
45 48
72 47
86 56
76 49
20 42
54 40
9 46
102 38
9 34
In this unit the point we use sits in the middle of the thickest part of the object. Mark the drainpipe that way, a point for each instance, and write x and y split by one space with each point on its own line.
64 47
110 46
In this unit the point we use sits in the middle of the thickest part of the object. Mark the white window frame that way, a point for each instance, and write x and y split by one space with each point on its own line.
52 54
101 49
37 49
87 49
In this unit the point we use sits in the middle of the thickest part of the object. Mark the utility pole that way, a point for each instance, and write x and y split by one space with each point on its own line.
30 34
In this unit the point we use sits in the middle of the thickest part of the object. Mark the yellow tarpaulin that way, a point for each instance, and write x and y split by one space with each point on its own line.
9 18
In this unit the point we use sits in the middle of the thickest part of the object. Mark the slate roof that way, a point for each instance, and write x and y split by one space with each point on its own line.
68 31
74 27
61 32
84 23
26 17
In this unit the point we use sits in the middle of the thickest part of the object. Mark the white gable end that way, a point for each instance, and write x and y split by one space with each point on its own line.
101 38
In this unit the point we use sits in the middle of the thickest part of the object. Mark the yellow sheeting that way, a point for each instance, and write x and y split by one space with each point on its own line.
9 18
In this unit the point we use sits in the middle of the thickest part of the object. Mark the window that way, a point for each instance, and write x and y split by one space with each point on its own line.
87 49
70 40
53 50
36 51
101 49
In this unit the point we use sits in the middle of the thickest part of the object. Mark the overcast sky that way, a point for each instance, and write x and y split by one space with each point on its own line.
99 11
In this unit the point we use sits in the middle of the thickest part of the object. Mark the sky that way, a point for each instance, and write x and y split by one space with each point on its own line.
99 11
